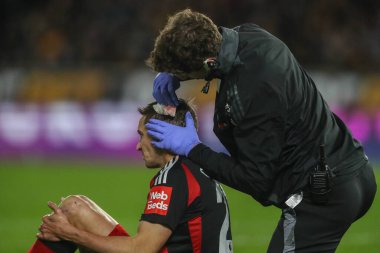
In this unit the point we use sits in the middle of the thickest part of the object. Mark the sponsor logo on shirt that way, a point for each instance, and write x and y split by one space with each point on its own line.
158 200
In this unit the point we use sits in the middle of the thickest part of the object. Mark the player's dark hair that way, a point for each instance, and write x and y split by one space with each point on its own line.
179 118
186 41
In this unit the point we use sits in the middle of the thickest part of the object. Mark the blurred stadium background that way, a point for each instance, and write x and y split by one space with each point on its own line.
72 75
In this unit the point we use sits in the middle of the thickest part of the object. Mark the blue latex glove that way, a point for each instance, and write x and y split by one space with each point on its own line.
164 87
177 139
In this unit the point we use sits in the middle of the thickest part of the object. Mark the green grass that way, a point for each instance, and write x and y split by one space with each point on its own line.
121 190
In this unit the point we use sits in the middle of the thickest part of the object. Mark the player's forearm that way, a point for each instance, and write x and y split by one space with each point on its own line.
104 244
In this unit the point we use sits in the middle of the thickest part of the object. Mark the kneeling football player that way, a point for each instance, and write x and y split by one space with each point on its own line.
186 211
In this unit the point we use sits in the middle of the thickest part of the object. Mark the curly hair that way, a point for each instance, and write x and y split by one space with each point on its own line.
185 42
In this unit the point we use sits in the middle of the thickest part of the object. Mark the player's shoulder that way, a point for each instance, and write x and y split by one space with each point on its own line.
176 171
194 169
171 172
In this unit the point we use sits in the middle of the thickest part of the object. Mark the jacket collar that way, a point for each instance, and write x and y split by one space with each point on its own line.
228 57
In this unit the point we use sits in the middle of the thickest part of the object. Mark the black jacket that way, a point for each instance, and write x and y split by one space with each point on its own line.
272 120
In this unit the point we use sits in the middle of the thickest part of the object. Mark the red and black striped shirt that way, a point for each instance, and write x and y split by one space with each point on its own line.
184 199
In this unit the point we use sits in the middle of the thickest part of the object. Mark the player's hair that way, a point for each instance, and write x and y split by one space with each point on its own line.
179 118
185 42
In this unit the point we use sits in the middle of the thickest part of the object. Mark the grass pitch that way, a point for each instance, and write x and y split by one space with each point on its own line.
120 189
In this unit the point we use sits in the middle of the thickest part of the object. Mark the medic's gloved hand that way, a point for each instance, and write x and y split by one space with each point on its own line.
177 139
164 87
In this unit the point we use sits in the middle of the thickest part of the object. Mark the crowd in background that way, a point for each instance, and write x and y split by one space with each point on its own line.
323 34
72 72
91 50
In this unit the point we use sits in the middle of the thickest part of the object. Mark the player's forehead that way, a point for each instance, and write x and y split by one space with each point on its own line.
141 125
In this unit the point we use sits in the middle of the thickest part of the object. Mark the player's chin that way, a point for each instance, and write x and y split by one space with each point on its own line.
151 165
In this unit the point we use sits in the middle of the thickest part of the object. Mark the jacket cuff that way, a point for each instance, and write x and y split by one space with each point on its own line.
195 153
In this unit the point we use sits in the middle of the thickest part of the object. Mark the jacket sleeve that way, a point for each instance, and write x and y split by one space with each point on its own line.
258 141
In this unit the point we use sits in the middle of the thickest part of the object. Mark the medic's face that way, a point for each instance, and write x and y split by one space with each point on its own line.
184 76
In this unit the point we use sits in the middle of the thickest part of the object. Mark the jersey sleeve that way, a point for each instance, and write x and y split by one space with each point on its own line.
167 198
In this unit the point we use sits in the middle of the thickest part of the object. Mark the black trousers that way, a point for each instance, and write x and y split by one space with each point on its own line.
311 228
